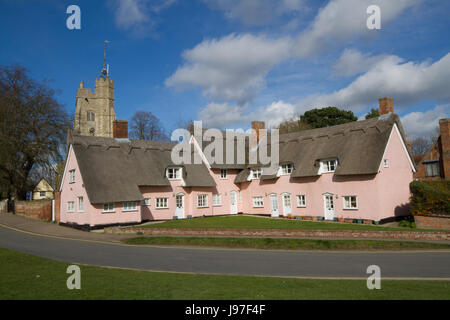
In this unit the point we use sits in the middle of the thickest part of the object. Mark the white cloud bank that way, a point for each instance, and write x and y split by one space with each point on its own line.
341 20
406 82
423 124
231 68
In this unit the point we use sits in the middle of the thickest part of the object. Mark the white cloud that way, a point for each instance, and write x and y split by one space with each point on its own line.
353 62
407 83
135 14
340 20
423 124
217 115
231 68
255 12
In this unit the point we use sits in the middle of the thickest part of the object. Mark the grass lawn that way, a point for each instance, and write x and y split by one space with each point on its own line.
28 277
278 243
247 222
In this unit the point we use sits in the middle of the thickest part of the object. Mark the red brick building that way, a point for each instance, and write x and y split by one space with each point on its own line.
435 164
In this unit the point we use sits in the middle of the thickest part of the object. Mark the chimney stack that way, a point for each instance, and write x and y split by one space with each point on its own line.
120 129
258 125
444 128
386 105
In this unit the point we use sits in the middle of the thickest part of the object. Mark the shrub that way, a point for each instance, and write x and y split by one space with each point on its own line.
430 197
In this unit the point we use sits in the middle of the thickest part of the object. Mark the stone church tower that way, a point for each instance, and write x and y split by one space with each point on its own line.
94 114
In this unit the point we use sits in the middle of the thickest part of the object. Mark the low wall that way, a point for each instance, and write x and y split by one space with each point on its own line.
432 222
36 209
275 233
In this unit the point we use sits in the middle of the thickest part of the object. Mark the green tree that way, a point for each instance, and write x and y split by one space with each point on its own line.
33 127
326 117
374 113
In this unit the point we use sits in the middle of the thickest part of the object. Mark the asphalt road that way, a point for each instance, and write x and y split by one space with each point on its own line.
223 261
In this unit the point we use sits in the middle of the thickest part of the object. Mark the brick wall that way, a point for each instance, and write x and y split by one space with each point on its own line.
323 234
444 126
432 222
38 209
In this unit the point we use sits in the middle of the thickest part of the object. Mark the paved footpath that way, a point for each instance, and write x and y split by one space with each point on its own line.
93 250
52 229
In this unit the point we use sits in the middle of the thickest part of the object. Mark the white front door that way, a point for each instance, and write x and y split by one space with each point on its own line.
233 203
287 207
328 204
179 201
274 205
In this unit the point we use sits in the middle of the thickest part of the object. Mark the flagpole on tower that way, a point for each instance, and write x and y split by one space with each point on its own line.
105 70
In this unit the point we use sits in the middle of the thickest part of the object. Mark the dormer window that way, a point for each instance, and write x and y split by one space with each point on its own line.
256 173
287 169
328 165
173 173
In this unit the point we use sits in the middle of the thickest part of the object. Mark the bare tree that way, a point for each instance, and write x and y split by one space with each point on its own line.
420 145
33 126
293 125
146 126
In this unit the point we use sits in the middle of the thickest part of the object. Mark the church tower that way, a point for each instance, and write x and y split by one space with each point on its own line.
94 113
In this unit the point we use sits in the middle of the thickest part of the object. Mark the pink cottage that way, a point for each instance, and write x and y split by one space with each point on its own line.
359 170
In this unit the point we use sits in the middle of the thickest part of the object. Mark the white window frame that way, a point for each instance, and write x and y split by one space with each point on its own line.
42 193
386 163
256 173
146 202
70 206
325 165
258 202
287 169
174 172
216 200
344 199
433 168
162 203
301 201
109 207
80 204
72 176
202 201
285 196
223 174
130 206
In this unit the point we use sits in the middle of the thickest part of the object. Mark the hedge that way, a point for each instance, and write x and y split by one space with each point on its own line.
430 197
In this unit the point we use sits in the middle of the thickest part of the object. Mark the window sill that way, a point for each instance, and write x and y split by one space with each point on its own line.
350 208
301 206
203 207
259 207
215 205
161 208
108 211
134 210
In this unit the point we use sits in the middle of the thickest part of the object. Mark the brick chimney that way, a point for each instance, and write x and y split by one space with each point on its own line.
120 129
257 125
386 105
444 128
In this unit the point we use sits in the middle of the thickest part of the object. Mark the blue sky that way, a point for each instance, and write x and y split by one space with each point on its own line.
228 62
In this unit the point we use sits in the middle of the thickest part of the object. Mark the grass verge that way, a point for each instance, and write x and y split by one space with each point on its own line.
25 276
280 243
247 222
